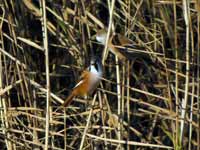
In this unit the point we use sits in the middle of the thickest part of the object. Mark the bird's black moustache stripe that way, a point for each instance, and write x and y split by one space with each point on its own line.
96 66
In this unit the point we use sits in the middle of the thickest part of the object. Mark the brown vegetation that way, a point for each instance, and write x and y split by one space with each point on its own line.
139 104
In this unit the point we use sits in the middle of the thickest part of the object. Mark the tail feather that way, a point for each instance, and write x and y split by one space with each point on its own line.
69 99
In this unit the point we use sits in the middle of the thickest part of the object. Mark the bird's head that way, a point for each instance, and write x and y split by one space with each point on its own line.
96 66
101 36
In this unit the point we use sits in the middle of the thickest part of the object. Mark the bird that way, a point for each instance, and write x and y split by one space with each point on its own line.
121 46
89 80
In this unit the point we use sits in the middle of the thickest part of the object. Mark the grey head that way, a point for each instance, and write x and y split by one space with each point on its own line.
101 36
96 66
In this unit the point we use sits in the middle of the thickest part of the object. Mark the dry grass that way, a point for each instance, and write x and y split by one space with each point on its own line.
138 105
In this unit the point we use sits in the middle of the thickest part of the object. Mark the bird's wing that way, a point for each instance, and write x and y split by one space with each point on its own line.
82 78
123 40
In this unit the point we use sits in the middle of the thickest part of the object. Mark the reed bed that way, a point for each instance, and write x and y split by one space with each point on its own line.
138 104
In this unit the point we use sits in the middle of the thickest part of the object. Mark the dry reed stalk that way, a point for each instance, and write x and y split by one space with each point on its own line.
3 112
193 86
118 100
140 111
186 13
46 50
198 71
111 11
88 123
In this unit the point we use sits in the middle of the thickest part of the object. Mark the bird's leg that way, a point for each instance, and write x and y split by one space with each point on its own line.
87 104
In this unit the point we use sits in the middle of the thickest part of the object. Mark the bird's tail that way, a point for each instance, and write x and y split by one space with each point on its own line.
69 99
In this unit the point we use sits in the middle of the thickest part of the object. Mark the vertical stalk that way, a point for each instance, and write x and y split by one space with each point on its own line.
123 94
119 99
65 131
102 119
128 75
193 86
111 10
176 77
3 112
198 73
184 101
45 44
128 101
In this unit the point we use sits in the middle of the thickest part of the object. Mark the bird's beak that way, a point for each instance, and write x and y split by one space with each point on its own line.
93 37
